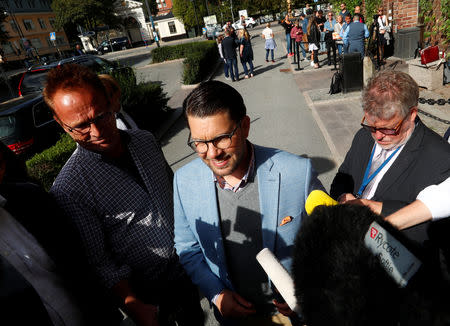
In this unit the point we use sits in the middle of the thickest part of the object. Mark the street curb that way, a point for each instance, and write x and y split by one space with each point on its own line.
336 157
160 63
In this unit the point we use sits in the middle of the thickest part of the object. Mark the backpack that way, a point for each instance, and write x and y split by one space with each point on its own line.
336 83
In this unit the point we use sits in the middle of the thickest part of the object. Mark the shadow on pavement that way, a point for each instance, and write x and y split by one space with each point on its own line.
179 125
321 164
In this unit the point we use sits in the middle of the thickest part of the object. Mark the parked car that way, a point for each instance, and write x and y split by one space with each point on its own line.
33 80
249 23
117 44
27 124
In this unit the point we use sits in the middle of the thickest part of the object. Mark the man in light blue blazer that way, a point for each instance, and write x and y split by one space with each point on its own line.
234 200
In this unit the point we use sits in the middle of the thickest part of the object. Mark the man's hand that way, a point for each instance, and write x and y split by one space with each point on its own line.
375 206
231 304
142 314
344 198
283 308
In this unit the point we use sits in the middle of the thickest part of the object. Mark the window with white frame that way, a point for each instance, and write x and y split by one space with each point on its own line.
172 27
29 25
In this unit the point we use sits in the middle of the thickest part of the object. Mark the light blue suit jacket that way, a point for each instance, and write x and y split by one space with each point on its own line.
284 182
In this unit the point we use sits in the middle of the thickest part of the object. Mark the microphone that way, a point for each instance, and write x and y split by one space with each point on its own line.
279 276
318 198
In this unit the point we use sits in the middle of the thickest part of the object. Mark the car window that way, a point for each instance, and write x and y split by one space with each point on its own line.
34 80
7 126
41 114
103 63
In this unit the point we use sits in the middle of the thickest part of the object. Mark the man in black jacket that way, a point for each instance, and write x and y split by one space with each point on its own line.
394 156
229 45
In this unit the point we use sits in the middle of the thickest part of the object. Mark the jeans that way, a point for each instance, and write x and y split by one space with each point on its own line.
226 68
267 53
322 41
250 64
340 48
232 63
302 47
288 43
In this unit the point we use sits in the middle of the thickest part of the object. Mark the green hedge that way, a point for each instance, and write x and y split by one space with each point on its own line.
198 65
200 58
46 165
179 51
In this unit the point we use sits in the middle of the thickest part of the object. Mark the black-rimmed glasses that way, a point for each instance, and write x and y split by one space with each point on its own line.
221 142
384 131
85 127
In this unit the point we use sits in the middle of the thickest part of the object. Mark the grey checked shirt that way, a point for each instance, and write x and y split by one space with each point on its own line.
126 226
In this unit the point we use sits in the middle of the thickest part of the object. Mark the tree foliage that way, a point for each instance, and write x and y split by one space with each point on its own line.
86 13
369 9
436 18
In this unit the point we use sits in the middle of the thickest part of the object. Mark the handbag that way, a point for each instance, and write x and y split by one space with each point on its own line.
429 54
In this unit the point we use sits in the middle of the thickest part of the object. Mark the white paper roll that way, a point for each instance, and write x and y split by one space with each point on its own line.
279 276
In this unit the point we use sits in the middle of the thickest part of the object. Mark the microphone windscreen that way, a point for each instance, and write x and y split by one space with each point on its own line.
318 198
279 276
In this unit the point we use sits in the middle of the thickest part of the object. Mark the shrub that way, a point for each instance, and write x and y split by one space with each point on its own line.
197 65
180 50
45 166
147 105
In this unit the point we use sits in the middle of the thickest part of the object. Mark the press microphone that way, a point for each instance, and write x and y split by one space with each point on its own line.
318 198
279 276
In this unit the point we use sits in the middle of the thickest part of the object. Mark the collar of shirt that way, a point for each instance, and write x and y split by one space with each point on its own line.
247 177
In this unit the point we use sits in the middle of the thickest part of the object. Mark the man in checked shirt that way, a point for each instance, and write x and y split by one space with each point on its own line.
116 188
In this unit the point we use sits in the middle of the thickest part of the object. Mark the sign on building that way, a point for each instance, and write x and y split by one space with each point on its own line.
210 20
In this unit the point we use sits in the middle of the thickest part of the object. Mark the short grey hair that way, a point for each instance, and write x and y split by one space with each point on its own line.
389 93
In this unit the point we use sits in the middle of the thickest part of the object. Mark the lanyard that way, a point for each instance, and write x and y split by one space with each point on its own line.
367 178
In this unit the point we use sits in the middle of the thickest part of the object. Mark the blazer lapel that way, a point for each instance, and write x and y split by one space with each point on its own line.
268 187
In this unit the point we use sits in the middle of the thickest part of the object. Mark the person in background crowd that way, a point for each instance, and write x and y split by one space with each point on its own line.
225 64
348 21
270 44
361 17
304 43
338 38
229 45
354 36
78 50
297 35
246 52
320 20
331 45
116 189
233 200
287 25
314 40
382 24
344 12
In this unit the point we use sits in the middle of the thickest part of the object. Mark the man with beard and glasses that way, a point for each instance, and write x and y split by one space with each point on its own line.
394 155
235 199
116 189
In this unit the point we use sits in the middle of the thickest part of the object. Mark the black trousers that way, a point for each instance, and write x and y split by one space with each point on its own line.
178 300
331 46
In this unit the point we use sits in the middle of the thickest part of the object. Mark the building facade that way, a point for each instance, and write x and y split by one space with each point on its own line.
167 25
29 25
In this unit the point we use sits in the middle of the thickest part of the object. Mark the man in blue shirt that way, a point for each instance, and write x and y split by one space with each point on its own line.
354 36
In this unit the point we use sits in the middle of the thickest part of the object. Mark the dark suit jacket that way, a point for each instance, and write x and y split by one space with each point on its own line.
229 46
424 161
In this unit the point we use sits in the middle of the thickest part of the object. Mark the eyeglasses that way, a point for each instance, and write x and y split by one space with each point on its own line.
384 131
221 142
85 127
330 15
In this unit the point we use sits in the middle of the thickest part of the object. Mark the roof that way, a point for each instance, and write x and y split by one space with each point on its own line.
162 17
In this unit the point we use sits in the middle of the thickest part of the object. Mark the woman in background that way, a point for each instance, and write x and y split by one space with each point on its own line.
246 52
314 41
270 45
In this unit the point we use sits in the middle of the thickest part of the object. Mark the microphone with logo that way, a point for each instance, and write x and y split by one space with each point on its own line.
350 267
